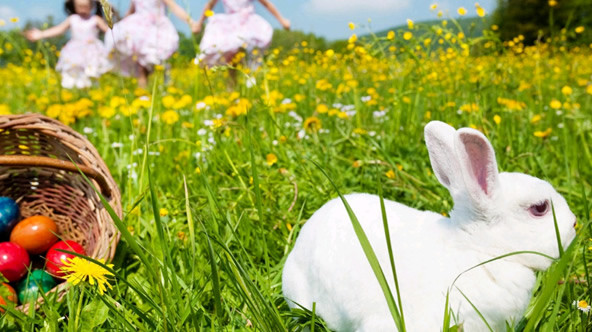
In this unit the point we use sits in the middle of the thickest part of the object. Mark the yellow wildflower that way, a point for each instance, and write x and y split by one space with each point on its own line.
170 117
543 134
390 35
209 13
580 29
497 119
410 24
78 269
351 25
461 11
407 35
163 212
555 104
271 159
312 123
352 39
390 174
4 109
480 10
566 90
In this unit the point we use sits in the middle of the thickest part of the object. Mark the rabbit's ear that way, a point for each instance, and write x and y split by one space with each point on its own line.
478 164
439 139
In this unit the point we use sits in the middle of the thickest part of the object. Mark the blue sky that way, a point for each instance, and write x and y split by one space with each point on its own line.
321 17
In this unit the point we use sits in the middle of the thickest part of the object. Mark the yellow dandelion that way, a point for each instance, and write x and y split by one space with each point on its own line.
552 3
495 27
390 35
390 174
209 13
497 119
4 109
14 19
589 89
461 11
170 117
555 104
536 118
410 24
351 25
407 35
312 123
480 10
434 6
566 90
352 39
163 212
543 134
580 29
79 269
271 159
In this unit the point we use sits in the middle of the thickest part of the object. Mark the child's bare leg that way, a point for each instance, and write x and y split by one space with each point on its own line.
142 76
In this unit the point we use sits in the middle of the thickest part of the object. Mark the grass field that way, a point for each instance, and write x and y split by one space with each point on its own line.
217 183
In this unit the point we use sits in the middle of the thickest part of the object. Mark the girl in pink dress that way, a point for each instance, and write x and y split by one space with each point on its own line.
84 56
239 28
145 37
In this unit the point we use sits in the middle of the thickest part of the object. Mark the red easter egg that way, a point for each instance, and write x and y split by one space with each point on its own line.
36 234
14 261
10 297
55 258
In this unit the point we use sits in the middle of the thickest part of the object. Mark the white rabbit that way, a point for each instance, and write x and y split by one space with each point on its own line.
494 214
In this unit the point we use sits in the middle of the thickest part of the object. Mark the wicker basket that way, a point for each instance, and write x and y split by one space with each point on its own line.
36 170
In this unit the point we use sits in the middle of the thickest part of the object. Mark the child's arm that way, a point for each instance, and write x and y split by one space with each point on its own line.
36 34
283 21
102 24
196 28
178 11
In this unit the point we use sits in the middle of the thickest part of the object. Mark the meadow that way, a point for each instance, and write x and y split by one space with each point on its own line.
217 182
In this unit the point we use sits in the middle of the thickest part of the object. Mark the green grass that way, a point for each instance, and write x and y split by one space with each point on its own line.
213 259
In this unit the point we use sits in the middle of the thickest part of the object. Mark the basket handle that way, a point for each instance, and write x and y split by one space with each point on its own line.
38 161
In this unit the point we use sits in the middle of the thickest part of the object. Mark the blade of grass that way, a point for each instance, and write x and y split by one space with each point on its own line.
369 252
215 276
476 310
391 256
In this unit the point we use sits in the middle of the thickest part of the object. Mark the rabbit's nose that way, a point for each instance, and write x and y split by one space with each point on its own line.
575 223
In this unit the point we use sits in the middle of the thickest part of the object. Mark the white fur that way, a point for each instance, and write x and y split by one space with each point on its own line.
490 218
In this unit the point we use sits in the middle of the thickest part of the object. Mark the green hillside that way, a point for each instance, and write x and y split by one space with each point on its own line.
472 26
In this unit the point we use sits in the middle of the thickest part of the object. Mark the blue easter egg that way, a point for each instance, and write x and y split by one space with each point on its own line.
9 213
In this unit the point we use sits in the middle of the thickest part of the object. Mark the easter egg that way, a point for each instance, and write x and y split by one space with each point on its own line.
14 261
9 213
36 234
7 295
36 282
54 257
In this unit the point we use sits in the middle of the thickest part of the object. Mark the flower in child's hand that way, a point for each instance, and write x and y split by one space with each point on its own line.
209 13
79 269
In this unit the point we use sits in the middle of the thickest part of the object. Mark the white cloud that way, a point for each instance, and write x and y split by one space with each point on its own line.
7 12
340 7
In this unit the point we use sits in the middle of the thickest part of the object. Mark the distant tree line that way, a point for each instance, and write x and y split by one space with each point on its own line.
545 20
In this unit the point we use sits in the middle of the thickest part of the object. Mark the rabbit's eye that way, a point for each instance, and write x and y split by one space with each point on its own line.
540 209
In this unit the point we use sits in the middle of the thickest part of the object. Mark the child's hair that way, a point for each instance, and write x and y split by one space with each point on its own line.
69 7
